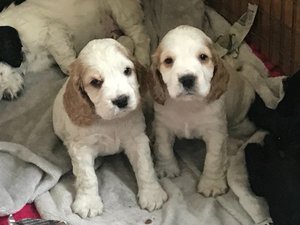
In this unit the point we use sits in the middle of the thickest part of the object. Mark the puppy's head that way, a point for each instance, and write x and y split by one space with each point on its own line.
185 66
103 83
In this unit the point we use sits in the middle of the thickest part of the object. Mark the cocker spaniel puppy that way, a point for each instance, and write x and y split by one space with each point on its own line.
98 112
190 86
36 34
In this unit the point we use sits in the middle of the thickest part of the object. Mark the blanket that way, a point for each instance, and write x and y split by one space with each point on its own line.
35 166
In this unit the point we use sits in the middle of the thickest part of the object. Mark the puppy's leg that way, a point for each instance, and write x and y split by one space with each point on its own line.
151 195
166 163
11 82
254 156
131 23
60 45
213 180
87 200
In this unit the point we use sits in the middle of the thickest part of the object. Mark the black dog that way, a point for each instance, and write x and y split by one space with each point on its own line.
274 168
5 3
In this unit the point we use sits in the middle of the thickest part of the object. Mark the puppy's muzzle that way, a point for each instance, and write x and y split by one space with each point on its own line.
187 81
121 101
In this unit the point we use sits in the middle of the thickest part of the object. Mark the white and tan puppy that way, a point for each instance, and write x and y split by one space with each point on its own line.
36 34
98 112
190 85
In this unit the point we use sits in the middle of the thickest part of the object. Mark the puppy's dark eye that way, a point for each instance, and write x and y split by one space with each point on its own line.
127 71
96 83
203 57
168 61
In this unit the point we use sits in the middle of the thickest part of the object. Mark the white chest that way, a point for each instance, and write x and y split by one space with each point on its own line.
190 119
103 137
101 140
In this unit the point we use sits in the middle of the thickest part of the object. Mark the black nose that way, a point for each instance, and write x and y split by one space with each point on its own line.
187 81
121 101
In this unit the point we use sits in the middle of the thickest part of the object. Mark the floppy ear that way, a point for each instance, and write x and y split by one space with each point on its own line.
77 103
155 83
220 78
141 73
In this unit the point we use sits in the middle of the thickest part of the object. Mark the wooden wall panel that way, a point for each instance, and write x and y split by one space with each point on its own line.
276 30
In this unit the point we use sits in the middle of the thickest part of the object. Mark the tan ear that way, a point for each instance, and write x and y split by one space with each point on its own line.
220 78
141 73
155 83
77 103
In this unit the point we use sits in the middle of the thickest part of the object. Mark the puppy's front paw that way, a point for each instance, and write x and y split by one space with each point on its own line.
11 85
212 187
87 205
167 168
152 198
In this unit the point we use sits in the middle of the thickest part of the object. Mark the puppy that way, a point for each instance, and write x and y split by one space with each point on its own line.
36 34
274 168
98 112
196 96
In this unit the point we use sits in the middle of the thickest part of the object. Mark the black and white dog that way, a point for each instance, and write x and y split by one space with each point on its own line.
38 33
274 168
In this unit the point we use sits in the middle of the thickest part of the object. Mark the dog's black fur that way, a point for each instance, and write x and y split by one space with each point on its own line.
10 46
274 168
5 3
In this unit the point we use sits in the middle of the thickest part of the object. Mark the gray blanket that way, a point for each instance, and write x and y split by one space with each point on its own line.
35 165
